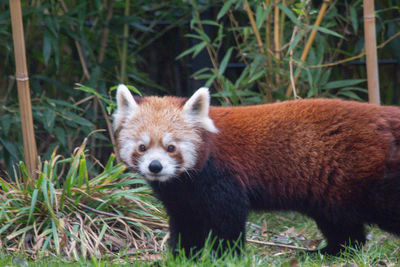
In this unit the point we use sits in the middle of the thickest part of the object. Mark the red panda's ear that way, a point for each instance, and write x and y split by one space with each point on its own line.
125 99
196 109
126 104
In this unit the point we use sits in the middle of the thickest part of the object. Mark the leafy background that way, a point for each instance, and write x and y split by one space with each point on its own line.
78 51
174 47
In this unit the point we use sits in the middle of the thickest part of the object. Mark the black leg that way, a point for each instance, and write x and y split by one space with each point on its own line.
190 234
227 207
384 204
220 215
340 235
187 233
200 203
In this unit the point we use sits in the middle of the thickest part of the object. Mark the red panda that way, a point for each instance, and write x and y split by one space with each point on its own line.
335 161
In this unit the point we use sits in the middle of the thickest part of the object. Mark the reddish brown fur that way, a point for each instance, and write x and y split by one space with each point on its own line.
294 147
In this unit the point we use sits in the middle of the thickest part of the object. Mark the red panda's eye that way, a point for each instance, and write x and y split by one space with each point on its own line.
142 148
171 148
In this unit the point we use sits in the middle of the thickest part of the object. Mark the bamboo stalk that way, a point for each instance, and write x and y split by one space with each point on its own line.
268 34
24 97
124 55
276 30
106 31
78 47
370 50
254 26
309 42
282 23
100 60
276 38
268 80
212 52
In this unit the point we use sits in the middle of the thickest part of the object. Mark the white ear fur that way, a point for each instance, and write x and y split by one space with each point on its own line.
126 105
197 107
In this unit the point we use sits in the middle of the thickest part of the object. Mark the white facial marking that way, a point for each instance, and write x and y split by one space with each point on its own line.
167 139
126 151
189 155
130 145
168 165
145 139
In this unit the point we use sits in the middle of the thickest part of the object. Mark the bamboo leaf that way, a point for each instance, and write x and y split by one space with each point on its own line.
289 13
194 49
350 94
352 88
295 41
199 48
134 89
194 36
46 47
312 92
325 77
203 35
325 30
210 22
342 83
92 91
224 62
225 9
211 80
261 15
10 147
354 18
49 120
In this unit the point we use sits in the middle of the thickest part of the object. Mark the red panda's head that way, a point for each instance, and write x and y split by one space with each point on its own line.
160 137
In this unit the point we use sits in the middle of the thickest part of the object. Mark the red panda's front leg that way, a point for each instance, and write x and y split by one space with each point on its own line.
217 216
204 204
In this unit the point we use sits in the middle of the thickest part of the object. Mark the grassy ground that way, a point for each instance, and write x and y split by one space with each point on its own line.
285 233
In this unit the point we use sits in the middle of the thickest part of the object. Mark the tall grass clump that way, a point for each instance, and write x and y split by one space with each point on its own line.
72 210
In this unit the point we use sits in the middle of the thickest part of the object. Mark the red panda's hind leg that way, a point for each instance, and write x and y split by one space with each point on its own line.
384 203
340 235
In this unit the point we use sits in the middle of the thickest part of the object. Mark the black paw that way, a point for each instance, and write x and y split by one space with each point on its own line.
332 251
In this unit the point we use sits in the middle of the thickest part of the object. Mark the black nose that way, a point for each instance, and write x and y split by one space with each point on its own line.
155 166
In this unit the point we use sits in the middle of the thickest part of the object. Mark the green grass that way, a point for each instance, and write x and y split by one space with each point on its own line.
286 228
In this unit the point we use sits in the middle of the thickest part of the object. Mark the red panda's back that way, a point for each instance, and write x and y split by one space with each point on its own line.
319 146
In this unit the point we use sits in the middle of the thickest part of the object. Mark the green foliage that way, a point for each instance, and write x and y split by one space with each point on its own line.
69 42
68 212
266 74
76 208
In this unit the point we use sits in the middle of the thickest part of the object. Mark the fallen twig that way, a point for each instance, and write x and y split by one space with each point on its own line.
277 245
